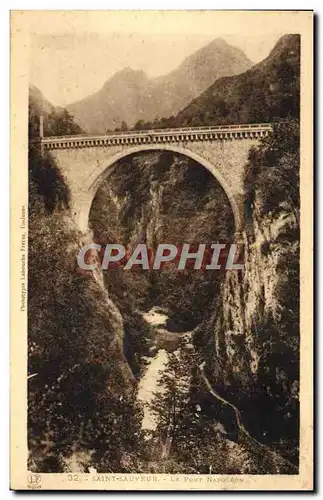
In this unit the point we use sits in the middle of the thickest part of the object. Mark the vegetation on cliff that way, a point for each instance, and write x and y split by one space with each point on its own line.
80 391
57 121
251 344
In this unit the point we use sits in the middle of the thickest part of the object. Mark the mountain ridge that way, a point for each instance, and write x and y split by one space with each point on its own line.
270 89
130 95
266 91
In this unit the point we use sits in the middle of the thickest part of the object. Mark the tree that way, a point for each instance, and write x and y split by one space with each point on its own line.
273 170
187 439
177 419
139 125
61 122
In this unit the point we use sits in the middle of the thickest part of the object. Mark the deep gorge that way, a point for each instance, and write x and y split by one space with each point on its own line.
234 319
231 338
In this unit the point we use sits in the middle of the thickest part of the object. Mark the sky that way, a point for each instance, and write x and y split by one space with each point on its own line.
71 58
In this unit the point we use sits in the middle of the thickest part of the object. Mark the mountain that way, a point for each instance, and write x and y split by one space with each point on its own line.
38 103
127 96
130 96
199 71
269 90
57 120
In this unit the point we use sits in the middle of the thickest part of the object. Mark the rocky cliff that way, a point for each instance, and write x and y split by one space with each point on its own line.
251 343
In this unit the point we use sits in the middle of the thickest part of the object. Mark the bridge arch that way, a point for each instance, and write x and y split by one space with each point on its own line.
99 174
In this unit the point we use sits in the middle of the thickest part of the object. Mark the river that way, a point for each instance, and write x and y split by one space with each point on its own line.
149 383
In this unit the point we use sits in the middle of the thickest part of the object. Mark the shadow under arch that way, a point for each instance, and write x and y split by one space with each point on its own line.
101 173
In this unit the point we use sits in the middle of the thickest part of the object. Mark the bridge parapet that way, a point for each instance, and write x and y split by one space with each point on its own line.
189 134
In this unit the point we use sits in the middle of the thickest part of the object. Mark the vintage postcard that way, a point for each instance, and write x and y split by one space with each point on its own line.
161 250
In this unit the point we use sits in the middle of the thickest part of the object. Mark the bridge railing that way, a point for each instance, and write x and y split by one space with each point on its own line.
192 129
165 131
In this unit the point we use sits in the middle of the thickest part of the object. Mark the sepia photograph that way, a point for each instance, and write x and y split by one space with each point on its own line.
161 254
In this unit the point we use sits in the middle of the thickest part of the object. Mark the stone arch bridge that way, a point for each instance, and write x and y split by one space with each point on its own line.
85 160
